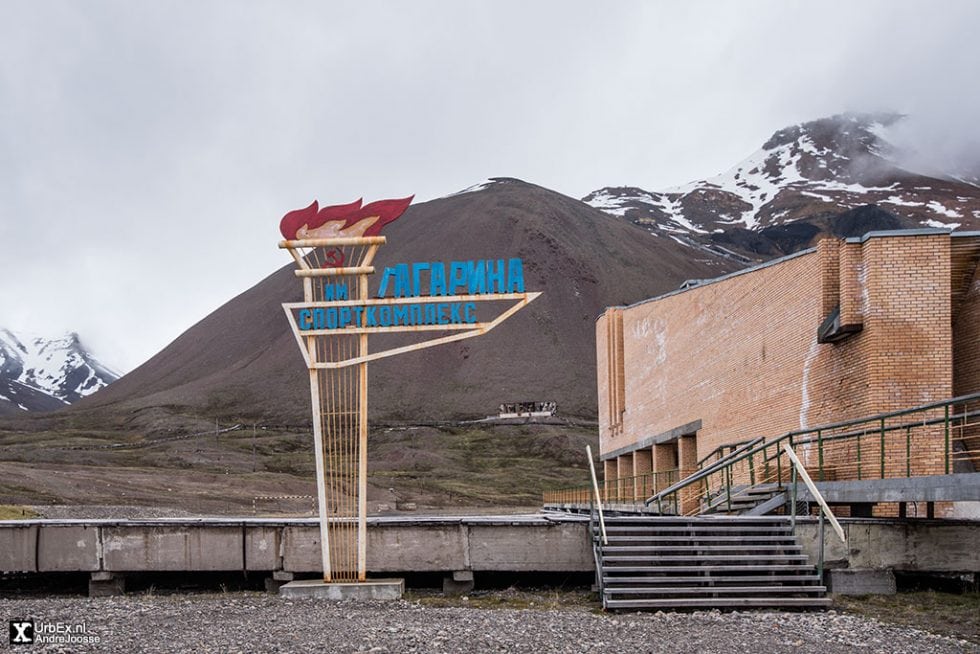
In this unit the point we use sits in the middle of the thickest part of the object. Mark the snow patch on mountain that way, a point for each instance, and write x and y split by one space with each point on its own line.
479 186
940 225
940 209
762 176
59 367
483 185
842 162
613 204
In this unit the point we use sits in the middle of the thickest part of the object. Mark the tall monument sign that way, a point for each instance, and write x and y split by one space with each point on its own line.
334 249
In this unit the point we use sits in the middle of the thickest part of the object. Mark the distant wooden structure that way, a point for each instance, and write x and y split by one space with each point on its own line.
335 272
527 410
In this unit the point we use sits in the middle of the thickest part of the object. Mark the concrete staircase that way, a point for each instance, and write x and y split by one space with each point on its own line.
748 500
654 562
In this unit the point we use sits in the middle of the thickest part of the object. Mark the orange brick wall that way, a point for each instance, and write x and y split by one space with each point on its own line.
741 354
909 320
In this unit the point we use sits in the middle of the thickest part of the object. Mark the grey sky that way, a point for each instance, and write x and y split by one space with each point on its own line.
148 149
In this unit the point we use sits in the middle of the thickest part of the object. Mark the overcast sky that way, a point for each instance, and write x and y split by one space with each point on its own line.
148 149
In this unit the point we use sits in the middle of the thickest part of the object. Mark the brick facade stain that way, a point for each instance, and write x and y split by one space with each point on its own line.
741 353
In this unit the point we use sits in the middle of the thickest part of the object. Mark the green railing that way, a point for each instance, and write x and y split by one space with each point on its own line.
632 489
723 451
929 439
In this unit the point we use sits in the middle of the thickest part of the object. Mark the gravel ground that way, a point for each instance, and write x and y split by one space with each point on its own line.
256 622
108 512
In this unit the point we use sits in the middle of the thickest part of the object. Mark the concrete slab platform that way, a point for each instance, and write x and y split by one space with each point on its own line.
372 589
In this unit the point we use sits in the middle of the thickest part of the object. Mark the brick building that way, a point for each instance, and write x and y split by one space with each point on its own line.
848 329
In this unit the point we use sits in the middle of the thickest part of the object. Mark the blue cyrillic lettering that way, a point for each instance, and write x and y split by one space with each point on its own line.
515 276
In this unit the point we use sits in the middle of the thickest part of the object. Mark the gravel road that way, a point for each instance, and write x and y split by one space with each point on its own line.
256 622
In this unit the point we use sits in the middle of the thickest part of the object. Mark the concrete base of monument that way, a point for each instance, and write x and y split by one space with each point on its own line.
372 589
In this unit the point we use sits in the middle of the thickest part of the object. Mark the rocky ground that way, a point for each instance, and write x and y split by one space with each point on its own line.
255 622
108 512
448 466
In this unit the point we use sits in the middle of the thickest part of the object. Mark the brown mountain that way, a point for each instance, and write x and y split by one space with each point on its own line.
241 362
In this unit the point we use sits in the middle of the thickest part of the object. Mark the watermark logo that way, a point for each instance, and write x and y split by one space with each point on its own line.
35 632
21 632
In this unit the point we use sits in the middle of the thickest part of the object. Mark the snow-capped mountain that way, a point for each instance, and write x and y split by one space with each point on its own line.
813 172
41 374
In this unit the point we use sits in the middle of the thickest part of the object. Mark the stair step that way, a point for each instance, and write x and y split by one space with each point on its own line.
713 602
700 579
709 557
709 590
717 561
757 547
744 497
755 492
747 529
710 568
655 520
702 539
737 502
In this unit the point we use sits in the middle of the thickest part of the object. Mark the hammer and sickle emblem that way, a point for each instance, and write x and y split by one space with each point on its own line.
334 259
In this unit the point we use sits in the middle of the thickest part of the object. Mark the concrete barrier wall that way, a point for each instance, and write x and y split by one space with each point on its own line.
173 548
908 545
18 547
426 545
528 544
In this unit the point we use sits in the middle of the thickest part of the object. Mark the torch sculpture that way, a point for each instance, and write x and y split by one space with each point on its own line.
334 249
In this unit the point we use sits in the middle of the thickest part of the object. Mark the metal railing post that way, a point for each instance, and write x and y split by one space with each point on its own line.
908 451
946 425
792 495
882 446
820 454
728 487
595 548
859 455
820 539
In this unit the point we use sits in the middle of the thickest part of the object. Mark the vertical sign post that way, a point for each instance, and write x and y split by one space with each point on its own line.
334 249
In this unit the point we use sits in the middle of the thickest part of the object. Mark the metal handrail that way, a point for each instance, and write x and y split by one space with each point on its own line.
701 474
721 449
598 497
742 454
890 414
764 464
886 428
799 470
616 489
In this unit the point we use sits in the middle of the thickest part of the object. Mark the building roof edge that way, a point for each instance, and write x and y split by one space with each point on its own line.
715 280
924 231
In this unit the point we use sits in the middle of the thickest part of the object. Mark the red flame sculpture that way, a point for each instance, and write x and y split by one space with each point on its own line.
341 219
